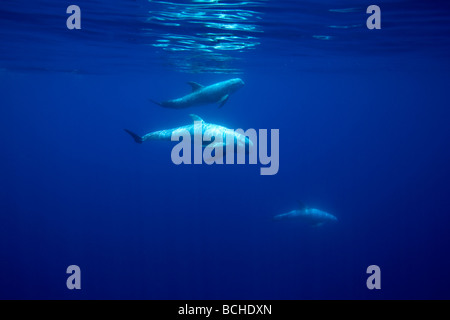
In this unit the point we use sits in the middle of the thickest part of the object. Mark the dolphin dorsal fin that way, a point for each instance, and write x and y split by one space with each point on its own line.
195 117
195 86
301 205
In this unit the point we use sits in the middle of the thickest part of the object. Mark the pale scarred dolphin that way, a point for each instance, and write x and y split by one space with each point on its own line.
201 95
312 216
207 129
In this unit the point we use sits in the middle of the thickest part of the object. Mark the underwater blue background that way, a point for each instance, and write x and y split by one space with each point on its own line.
364 134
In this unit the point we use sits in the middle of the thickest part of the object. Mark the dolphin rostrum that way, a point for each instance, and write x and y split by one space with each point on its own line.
200 95
313 217
207 130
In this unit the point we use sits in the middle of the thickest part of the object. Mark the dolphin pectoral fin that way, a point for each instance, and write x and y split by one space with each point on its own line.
195 117
136 137
223 100
216 146
195 86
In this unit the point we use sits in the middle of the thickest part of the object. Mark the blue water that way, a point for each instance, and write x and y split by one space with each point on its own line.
364 134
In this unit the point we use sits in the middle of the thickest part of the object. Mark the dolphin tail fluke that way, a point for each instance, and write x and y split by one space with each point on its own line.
278 217
136 137
156 102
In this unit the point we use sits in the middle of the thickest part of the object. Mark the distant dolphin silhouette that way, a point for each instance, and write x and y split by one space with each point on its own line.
313 217
200 95
240 140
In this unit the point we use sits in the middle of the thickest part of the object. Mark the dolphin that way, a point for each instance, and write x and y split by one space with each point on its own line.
200 95
208 129
313 217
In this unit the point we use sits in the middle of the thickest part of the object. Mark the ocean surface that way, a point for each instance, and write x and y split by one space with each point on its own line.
363 118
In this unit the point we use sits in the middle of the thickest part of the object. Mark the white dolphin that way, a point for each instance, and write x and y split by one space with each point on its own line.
312 216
